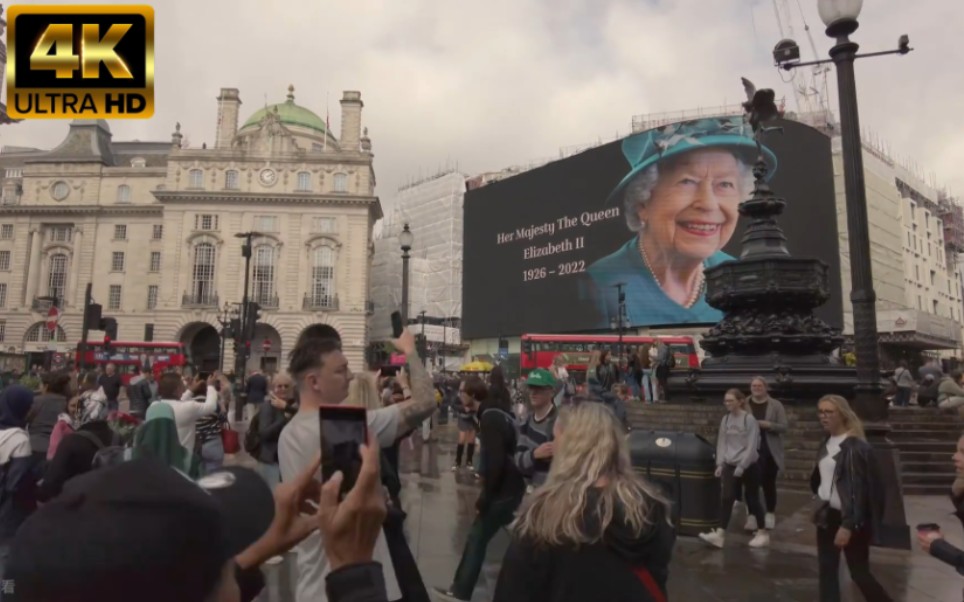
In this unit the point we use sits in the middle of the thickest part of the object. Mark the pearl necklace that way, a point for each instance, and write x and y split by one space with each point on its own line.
697 291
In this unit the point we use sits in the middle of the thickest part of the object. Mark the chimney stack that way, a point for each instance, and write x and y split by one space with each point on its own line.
351 106
229 104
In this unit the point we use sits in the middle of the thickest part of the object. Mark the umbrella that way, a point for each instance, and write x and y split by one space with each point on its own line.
476 366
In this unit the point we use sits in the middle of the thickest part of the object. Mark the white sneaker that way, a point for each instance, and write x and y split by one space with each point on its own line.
750 524
760 540
771 521
455 468
716 537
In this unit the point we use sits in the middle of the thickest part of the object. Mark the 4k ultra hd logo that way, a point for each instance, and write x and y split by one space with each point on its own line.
80 62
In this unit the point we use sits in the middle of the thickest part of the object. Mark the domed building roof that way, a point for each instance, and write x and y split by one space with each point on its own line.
289 114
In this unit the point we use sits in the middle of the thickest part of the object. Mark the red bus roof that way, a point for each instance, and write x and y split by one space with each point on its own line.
158 344
604 338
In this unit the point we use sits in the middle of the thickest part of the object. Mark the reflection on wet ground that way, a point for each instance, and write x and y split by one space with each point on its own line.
441 506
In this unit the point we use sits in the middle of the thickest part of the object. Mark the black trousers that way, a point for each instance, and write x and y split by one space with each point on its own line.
768 481
857 554
750 482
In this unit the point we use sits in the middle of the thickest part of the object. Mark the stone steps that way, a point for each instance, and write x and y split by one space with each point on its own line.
925 437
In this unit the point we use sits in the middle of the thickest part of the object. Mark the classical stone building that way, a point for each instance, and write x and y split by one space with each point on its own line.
152 226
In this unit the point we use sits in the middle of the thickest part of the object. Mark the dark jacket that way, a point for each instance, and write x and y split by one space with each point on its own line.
17 481
112 386
42 418
271 421
600 571
947 552
857 482
256 388
73 458
501 480
139 393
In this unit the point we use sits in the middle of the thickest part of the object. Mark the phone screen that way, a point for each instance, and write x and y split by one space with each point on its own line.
343 430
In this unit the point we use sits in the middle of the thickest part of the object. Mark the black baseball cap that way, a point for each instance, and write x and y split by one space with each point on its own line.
138 531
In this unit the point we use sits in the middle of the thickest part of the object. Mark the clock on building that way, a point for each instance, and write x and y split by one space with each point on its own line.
268 176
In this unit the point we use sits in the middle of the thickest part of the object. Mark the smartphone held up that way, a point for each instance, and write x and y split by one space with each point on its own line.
343 430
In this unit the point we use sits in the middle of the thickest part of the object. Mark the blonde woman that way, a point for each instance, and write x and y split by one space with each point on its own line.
363 392
595 530
845 480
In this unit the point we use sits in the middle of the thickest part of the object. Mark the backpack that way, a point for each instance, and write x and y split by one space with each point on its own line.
252 438
106 455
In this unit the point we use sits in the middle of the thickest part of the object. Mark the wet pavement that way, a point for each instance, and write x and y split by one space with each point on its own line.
441 506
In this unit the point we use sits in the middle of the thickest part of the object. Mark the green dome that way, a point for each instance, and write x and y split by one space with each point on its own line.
289 113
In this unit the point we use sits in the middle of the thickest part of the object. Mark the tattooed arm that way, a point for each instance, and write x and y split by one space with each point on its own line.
422 405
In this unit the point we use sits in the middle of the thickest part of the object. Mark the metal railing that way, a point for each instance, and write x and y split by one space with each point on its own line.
267 301
44 304
319 302
199 300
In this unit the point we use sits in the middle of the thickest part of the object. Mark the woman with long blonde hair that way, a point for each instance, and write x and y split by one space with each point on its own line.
363 392
596 530
845 479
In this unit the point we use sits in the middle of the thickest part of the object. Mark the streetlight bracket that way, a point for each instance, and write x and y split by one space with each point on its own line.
903 48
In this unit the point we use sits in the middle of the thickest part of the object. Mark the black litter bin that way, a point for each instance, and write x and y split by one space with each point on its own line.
684 466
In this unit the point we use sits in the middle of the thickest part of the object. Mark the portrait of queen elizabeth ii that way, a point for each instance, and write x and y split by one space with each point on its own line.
681 201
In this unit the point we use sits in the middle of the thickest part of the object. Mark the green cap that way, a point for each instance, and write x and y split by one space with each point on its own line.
540 377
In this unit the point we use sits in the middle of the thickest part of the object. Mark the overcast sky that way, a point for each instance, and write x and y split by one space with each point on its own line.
489 84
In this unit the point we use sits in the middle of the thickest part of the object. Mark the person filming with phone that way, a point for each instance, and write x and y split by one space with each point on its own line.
322 377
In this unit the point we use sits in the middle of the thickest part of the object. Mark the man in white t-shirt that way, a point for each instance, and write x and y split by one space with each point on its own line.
187 411
322 376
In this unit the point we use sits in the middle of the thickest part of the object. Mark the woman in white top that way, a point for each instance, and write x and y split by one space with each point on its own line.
737 450
845 480
562 378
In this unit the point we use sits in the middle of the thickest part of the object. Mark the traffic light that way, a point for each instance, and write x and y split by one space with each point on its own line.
109 326
251 322
93 315
234 328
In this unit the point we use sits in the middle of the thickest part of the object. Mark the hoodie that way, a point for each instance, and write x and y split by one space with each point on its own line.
17 479
605 570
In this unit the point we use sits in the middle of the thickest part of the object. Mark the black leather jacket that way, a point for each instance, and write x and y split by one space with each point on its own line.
857 483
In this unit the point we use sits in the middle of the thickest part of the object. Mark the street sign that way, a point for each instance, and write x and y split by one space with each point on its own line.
266 345
53 317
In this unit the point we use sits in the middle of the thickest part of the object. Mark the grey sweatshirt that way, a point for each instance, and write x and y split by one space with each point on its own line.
738 441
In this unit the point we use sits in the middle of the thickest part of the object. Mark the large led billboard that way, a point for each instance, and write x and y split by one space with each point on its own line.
548 250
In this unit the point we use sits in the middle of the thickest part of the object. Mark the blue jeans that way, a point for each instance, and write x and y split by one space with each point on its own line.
271 473
648 385
212 455
902 398
485 526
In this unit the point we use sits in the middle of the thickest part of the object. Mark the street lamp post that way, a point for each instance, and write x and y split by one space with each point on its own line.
424 349
840 17
620 321
241 361
227 313
405 240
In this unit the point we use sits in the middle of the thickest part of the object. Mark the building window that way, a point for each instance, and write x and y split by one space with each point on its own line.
60 233
152 296
341 182
195 178
323 225
4 260
266 223
120 232
304 181
3 330
14 172
3 294
123 193
6 231
263 274
39 333
117 261
202 284
322 277
155 261
57 279
231 179
936 306
138 162
158 232
933 276
205 222
114 297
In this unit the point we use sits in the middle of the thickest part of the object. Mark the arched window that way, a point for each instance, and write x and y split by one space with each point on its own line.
195 178
202 282
263 274
341 182
231 179
57 276
39 333
322 292
304 181
123 193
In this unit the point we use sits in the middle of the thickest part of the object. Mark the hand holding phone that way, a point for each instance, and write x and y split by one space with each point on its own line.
344 429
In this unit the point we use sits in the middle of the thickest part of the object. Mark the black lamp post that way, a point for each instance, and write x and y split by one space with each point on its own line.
225 315
424 349
241 360
405 240
619 322
840 17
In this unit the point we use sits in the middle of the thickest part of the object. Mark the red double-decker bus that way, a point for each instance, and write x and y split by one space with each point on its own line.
540 350
160 356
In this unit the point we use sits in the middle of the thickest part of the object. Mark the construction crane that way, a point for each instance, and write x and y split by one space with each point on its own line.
809 85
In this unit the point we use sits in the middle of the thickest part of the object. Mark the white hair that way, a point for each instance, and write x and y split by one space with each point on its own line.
640 189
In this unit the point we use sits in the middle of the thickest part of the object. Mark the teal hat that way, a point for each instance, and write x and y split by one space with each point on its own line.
540 377
652 146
